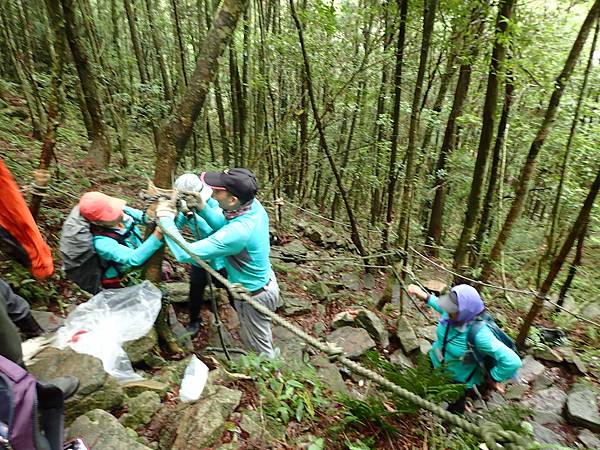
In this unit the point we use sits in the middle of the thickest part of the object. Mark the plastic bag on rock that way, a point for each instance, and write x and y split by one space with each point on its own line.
100 326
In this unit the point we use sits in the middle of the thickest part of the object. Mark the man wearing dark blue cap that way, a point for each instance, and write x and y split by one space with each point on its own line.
242 237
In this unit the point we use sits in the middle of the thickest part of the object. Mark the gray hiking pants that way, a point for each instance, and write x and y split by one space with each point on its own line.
255 327
12 308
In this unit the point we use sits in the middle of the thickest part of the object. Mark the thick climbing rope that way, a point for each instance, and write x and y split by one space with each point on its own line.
491 433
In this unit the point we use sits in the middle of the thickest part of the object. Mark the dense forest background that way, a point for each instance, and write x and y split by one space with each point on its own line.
466 131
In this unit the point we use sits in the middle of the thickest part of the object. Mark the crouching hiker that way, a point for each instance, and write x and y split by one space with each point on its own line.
101 242
199 278
470 347
242 237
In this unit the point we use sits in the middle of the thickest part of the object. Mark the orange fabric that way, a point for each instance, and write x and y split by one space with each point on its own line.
17 220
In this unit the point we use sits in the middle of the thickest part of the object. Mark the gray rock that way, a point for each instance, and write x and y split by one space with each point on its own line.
567 353
48 321
398 358
369 281
582 408
530 369
135 388
314 233
319 329
547 405
424 346
581 366
589 439
343 319
429 332
259 428
374 325
178 292
200 424
104 432
354 341
547 354
351 280
294 251
407 336
291 346
144 351
329 374
320 290
140 410
295 305
542 382
97 389
183 337
516 391
545 435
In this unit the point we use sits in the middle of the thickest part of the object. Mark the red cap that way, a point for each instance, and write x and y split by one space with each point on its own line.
99 207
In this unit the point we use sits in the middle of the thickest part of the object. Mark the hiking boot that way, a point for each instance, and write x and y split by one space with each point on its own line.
29 327
67 384
194 327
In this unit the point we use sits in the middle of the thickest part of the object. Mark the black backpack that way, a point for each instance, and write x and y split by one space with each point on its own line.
31 413
80 261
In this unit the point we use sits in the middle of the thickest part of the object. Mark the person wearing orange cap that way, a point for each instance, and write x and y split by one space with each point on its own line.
117 239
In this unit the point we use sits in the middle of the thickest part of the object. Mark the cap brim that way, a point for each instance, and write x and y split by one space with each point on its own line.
446 303
212 180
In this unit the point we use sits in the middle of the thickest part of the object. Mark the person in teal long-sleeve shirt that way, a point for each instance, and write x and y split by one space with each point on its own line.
199 278
451 351
242 237
117 238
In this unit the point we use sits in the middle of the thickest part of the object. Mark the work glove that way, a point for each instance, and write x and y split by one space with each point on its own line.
166 208
193 200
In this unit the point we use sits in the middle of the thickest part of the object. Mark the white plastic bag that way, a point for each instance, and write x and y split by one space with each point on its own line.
100 326
194 380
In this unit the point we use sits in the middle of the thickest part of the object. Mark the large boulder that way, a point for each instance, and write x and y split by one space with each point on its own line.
291 346
374 325
407 336
200 424
329 374
135 388
140 410
582 407
530 369
399 359
320 290
48 321
104 432
294 251
144 351
293 305
354 341
547 405
97 389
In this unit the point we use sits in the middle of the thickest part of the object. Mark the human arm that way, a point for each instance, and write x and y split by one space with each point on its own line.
213 215
507 361
229 240
423 295
110 250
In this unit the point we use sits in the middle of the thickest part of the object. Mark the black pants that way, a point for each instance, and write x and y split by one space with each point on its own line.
198 284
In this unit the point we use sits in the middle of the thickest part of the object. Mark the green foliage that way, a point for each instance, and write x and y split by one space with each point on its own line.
288 395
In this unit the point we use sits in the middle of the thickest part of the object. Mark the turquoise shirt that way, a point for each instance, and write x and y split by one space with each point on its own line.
201 229
242 241
459 363
134 253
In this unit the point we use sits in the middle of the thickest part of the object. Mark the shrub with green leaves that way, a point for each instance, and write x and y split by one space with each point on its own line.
287 394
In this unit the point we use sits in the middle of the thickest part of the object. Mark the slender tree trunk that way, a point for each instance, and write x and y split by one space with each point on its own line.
576 231
355 236
179 40
529 167
505 9
574 266
393 170
429 11
490 196
135 40
158 51
554 215
100 151
54 101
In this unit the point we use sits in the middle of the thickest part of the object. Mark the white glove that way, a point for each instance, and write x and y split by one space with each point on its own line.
166 208
194 200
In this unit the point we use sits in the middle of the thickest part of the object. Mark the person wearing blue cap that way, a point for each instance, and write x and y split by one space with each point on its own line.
459 309
241 237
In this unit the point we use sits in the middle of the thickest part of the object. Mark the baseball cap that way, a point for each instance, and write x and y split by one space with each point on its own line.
191 182
99 207
240 182
448 302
